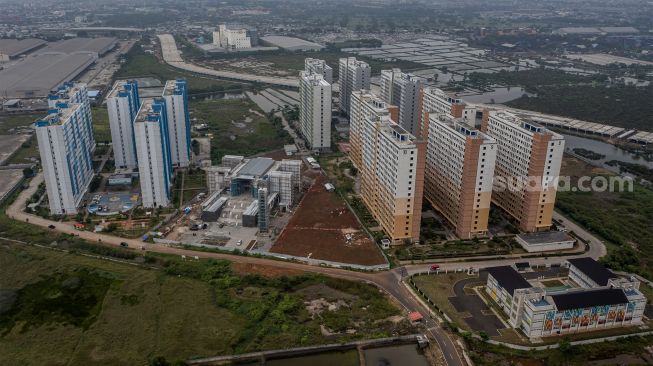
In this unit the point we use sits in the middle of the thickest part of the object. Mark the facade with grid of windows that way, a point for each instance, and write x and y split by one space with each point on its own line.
353 75
392 176
175 95
527 168
123 103
459 171
404 91
315 110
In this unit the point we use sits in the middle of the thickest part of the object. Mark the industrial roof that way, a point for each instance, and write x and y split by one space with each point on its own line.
508 278
97 45
16 47
593 270
37 75
291 43
586 299
256 167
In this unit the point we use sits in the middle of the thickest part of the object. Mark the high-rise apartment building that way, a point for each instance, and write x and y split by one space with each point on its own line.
404 91
175 95
364 105
436 101
76 93
153 152
459 171
123 103
315 110
353 75
527 168
316 66
66 154
392 176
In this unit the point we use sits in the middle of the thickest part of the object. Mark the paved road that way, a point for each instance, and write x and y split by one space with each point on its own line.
389 281
172 56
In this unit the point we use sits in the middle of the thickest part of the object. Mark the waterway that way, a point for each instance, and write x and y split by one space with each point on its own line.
498 95
404 355
610 151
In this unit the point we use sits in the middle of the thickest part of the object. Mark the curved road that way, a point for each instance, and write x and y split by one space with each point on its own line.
389 281
172 56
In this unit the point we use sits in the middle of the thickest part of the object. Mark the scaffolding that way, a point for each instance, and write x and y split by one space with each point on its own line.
295 167
282 183
232 161
263 212
217 178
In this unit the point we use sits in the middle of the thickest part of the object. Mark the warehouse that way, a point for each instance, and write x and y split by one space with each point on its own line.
13 48
291 43
100 46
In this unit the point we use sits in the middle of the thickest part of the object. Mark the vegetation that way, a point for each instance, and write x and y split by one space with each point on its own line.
239 128
102 312
618 105
101 130
141 64
588 154
530 79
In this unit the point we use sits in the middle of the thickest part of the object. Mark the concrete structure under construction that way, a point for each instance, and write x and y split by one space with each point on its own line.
459 170
527 168
353 75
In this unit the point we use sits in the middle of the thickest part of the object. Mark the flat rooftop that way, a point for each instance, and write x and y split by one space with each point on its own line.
593 270
256 167
587 299
146 108
508 278
96 45
545 237
38 75
291 43
17 47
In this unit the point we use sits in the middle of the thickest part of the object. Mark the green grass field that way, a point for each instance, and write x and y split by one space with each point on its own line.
101 129
439 288
8 122
141 64
236 129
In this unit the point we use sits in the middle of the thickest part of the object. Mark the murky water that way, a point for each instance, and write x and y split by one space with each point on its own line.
611 152
347 358
406 355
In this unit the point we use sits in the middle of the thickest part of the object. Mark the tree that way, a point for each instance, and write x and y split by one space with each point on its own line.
484 336
28 172
565 348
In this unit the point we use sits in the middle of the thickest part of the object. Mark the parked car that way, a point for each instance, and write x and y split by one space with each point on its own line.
239 243
124 244
435 267
51 226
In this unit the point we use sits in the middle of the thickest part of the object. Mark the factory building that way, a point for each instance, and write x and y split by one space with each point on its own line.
234 37
353 75
123 103
153 153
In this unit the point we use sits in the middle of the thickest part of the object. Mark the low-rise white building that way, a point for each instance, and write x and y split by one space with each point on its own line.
234 38
545 241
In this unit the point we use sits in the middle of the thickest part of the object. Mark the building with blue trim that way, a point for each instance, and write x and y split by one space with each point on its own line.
65 145
153 152
175 95
123 103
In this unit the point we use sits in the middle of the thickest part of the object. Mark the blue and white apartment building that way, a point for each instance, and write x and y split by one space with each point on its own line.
153 152
123 103
66 144
175 95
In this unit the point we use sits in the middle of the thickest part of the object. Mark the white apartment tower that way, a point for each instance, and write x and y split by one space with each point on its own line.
353 75
315 110
175 95
459 171
123 103
364 105
436 101
76 93
316 66
392 177
153 151
64 144
527 169
404 91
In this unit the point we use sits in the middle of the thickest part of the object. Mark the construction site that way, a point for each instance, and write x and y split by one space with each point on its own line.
248 202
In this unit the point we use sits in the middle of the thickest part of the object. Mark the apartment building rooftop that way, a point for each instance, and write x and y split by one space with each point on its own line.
451 97
146 111
315 79
528 125
173 87
118 87
461 127
397 132
59 115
